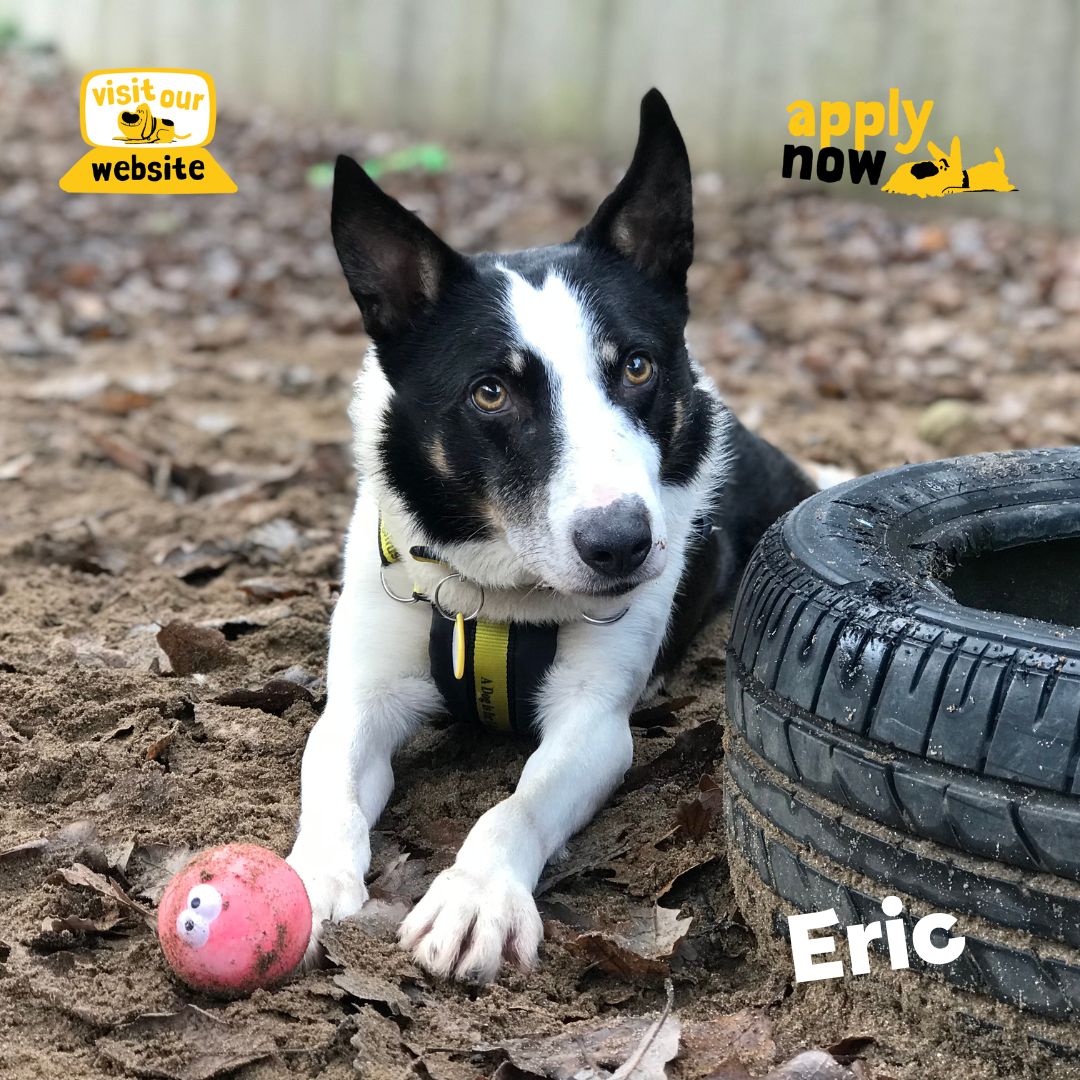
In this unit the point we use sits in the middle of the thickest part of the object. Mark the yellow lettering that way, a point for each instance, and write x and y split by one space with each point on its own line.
802 124
918 122
835 120
869 120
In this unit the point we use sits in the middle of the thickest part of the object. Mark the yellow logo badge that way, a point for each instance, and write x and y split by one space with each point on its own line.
946 175
148 128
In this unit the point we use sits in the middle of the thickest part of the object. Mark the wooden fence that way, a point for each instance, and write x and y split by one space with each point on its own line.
1001 72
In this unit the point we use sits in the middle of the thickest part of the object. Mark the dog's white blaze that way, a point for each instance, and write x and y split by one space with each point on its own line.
603 455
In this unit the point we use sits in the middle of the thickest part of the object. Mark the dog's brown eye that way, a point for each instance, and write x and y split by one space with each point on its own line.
489 395
637 370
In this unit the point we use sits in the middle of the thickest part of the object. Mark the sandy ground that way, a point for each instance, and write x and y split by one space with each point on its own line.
174 447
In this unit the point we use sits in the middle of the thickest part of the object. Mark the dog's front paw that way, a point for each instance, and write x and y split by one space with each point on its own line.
469 922
336 890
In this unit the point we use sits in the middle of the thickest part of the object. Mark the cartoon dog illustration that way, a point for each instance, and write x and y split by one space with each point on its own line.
141 126
946 175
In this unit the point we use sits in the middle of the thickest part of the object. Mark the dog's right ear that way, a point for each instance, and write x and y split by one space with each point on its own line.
649 218
395 265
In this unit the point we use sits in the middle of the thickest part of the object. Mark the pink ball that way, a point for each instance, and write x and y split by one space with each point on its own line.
236 918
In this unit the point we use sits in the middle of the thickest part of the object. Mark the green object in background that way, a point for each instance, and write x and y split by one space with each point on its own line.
428 157
321 175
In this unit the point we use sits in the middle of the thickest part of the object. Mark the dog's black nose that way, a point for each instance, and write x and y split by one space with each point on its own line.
615 539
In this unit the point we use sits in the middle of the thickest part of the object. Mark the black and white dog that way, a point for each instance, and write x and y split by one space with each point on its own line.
543 467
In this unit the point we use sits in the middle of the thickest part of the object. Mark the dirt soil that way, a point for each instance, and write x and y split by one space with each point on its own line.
174 449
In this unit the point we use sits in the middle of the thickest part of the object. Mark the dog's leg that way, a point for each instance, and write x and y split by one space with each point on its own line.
378 690
481 910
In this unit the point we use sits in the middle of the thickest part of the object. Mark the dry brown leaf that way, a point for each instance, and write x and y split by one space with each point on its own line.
373 990
127 456
652 869
729 1069
734 1041
157 748
656 933
853 1046
403 878
234 626
82 876
119 401
77 834
695 816
664 713
274 697
643 946
274 537
197 564
121 732
118 854
699 745
77 545
14 467
193 649
72 386
681 876
658 1046
274 588
150 867
111 918
509 1071
380 1052
27 847
635 1048
560 919
811 1065
191 1044
392 893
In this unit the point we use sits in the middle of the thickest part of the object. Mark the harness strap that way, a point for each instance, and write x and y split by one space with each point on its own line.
488 672
388 554
505 666
423 554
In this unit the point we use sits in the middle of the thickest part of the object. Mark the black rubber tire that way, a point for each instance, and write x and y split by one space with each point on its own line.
1024 976
866 703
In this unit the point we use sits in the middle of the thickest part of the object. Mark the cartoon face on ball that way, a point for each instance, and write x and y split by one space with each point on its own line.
193 923
234 919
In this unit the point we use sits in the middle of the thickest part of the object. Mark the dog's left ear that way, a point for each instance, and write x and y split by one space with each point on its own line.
396 267
649 217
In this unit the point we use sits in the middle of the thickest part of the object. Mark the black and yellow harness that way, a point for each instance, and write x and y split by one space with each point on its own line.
488 672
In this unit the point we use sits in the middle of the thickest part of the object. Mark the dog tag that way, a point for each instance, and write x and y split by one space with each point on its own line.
459 646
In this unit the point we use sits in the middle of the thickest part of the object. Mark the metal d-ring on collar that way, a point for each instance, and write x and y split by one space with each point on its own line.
443 612
415 598
608 621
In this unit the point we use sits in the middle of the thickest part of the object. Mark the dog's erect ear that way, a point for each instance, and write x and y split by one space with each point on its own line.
953 156
649 217
394 264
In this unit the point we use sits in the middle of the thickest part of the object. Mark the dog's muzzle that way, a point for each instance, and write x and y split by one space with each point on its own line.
613 540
